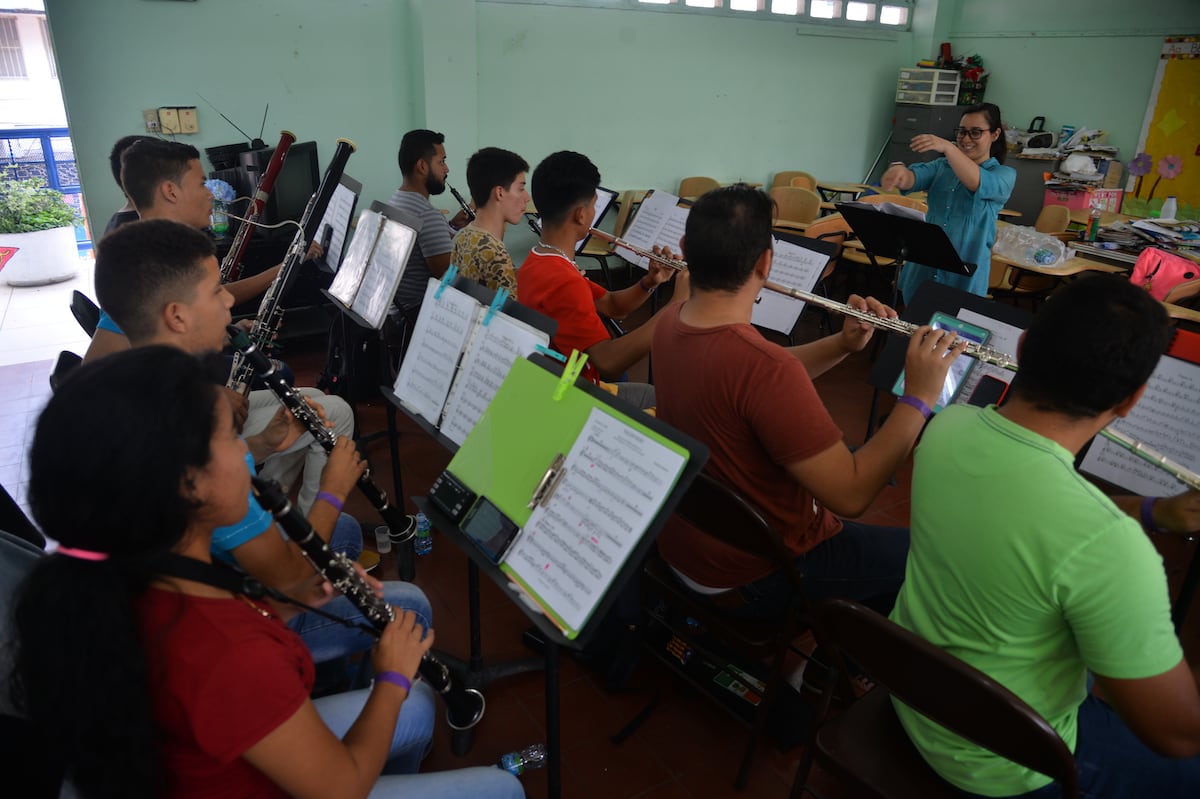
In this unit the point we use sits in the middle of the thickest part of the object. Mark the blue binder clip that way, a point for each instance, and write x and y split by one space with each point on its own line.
447 279
497 301
549 353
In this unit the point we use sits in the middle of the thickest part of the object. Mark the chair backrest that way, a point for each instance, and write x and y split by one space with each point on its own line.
788 178
895 199
66 363
946 690
719 511
796 204
86 312
1053 219
695 186
833 228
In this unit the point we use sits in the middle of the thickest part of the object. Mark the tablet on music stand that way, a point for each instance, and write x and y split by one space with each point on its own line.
904 239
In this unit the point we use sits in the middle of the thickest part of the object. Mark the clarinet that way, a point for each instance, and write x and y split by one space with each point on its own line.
231 267
466 208
464 706
270 312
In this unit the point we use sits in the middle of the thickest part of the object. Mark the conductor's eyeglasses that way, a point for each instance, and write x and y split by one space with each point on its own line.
974 134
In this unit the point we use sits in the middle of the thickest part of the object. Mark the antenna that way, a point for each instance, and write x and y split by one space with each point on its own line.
258 143
227 119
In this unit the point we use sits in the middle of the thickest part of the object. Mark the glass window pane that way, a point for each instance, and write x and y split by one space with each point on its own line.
860 12
825 9
893 15
786 6
745 5
703 3
657 2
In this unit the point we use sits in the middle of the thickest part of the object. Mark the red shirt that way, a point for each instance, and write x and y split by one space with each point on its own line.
221 678
551 285
754 406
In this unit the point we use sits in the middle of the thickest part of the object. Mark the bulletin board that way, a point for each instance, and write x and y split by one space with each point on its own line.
1170 131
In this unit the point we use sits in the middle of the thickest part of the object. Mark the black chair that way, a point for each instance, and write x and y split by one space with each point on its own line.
64 364
86 312
718 511
866 745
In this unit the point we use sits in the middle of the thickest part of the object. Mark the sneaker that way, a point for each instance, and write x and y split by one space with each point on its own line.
368 560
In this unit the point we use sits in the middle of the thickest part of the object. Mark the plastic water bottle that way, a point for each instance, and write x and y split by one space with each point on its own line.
1093 223
423 542
523 760
1168 208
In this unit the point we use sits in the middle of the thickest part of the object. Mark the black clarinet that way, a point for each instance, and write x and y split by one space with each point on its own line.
466 208
464 706
296 402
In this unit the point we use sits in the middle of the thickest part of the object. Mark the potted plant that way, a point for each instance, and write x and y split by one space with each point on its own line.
37 233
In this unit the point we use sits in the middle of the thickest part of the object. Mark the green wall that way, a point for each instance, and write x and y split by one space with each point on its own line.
650 96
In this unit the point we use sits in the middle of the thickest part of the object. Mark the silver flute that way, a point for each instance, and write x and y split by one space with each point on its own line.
1176 470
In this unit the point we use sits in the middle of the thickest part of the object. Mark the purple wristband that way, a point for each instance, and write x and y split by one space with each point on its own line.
642 286
1148 515
331 499
395 678
913 402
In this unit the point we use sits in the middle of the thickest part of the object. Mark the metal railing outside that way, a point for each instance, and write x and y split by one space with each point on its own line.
47 153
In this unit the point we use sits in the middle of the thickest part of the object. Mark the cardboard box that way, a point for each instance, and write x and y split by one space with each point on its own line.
1082 199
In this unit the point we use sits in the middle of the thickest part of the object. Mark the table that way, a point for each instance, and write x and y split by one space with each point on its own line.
1080 217
1069 267
830 189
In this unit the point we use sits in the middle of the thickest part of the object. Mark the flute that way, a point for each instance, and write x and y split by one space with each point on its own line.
1176 470
466 208
978 351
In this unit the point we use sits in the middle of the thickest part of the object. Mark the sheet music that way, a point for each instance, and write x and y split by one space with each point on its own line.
348 278
487 362
384 272
1004 338
337 216
1165 420
660 221
430 364
796 267
575 543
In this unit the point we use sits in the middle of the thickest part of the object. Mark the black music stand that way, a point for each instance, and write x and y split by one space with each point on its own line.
903 239
930 298
554 640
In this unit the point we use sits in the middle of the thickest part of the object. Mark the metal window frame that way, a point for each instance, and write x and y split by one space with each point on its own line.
12 55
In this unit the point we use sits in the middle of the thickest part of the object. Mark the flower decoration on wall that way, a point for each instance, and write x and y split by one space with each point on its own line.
221 191
1169 167
1139 167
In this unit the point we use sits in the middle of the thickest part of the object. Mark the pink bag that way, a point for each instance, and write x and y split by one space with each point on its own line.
1159 271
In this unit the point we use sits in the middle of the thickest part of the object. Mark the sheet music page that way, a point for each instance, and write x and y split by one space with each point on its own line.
489 357
384 271
337 216
348 278
575 543
796 267
1165 420
647 226
1004 338
439 337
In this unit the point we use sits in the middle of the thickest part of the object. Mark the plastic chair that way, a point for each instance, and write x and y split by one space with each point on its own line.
790 177
1053 219
867 746
718 511
796 205
695 186
86 312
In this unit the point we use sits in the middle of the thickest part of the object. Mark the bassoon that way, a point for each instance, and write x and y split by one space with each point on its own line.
231 267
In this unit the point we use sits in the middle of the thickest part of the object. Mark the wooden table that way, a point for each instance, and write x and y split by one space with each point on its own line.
1080 217
1069 267
829 189
1183 315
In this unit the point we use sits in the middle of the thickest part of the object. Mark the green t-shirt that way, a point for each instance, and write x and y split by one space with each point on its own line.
1025 570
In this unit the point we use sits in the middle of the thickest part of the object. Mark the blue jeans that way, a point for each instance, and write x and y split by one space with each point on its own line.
862 562
347 536
477 783
1113 763
414 727
326 639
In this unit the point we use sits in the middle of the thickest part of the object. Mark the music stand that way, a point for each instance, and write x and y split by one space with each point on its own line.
903 239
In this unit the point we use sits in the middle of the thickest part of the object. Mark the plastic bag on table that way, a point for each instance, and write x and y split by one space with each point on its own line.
1026 246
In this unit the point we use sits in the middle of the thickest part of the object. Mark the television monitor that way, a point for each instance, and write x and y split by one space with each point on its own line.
295 184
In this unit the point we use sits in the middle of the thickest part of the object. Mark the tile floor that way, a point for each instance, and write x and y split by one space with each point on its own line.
687 748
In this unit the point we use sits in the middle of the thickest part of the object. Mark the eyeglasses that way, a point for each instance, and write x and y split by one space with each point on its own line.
973 133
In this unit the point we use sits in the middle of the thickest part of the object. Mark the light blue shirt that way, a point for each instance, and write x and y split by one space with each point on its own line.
968 217
253 524
106 323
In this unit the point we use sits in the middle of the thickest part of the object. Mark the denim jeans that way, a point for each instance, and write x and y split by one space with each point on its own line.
477 783
1114 764
327 639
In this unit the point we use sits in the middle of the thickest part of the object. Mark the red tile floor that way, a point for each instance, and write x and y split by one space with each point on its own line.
687 748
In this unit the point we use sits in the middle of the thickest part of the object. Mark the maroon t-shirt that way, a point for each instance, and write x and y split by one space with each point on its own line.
754 406
221 678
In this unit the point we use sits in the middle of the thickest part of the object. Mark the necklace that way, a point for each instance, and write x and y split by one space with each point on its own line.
266 614
557 251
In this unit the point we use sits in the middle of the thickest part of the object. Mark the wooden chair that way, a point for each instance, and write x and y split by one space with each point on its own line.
1053 219
693 187
794 177
718 511
795 205
866 745
86 312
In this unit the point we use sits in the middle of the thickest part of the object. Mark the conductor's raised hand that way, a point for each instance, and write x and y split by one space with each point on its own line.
895 177
402 644
927 142
930 354
856 333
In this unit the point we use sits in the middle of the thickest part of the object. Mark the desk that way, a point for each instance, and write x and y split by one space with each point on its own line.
1010 213
1069 267
1183 315
1080 217
830 189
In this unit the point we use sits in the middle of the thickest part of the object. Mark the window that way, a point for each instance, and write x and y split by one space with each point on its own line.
703 3
745 5
49 48
860 12
658 2
794 7
871 19
12 60
894 15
